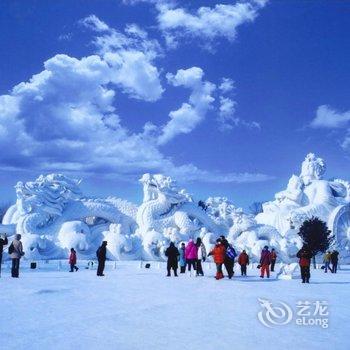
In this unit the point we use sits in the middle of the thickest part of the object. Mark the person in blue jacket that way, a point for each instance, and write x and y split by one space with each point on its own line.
182 259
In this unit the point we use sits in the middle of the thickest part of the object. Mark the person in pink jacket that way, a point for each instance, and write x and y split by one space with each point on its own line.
191 255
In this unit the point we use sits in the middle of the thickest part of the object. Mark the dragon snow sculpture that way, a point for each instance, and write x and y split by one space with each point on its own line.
169 213
52 216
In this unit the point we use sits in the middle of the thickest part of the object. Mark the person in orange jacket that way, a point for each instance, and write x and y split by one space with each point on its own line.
243 260
273 256
218 253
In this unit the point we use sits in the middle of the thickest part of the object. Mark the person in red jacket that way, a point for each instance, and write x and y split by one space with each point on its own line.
304 255
73 260
265 261
218 253
243 260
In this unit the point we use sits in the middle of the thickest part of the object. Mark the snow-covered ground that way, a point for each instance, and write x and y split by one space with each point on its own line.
138 308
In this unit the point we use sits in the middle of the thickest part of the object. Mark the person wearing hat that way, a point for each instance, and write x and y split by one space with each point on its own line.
218 253
265 261
101 257
3 241
172 253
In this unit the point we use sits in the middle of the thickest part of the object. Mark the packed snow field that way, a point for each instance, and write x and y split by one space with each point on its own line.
137 308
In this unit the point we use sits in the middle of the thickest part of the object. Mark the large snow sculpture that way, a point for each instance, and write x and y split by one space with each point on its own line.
310 195
52 216
168 213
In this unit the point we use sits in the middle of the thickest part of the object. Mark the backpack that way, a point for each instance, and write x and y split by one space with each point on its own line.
230 252
11 248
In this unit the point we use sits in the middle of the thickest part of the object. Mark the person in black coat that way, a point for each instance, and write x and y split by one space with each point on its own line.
101 257
334 261
228 262
172 253
3 241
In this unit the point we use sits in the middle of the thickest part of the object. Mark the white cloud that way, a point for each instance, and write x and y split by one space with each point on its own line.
227 85
94 23
327 117
130 56
190 114
206 23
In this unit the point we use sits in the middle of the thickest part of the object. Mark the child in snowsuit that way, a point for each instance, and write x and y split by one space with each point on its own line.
191 255
273 259
73 260
304 256
201 255
243 261
265 261
218 253
172 253
182 259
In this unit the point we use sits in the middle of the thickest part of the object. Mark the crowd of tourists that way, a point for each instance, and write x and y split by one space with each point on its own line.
189 257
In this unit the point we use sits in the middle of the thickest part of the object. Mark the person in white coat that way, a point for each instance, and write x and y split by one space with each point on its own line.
201 255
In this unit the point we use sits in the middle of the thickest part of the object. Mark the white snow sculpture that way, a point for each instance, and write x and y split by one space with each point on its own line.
310 195
52 216
287 271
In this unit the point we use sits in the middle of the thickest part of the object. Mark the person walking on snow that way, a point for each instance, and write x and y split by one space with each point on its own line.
172 253
243 261
265 261
3 241
304 255
218 253
273 259
16 252
191 255
230 256
334 261
73 260
182 259
101 258
201 255
327 261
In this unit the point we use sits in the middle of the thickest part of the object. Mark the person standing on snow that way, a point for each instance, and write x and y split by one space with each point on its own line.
191 255
273 259
218 253
265 261
172 253
243 261
201 255
304 256
327 261
73 260
16 253
182 259
101 257
334 261
3 241
230 256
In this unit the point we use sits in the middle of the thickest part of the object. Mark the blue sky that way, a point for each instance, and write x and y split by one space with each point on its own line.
227 97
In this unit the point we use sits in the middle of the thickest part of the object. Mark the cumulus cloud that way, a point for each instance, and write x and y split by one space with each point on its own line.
207 23
327 117
227 85
191 113
130 56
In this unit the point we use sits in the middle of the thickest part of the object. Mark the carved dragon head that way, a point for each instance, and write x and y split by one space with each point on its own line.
47 194
158 185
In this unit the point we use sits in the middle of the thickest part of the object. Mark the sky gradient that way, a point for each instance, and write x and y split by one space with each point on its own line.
226 97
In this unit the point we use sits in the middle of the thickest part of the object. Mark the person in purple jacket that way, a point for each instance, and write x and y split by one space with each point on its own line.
265 261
